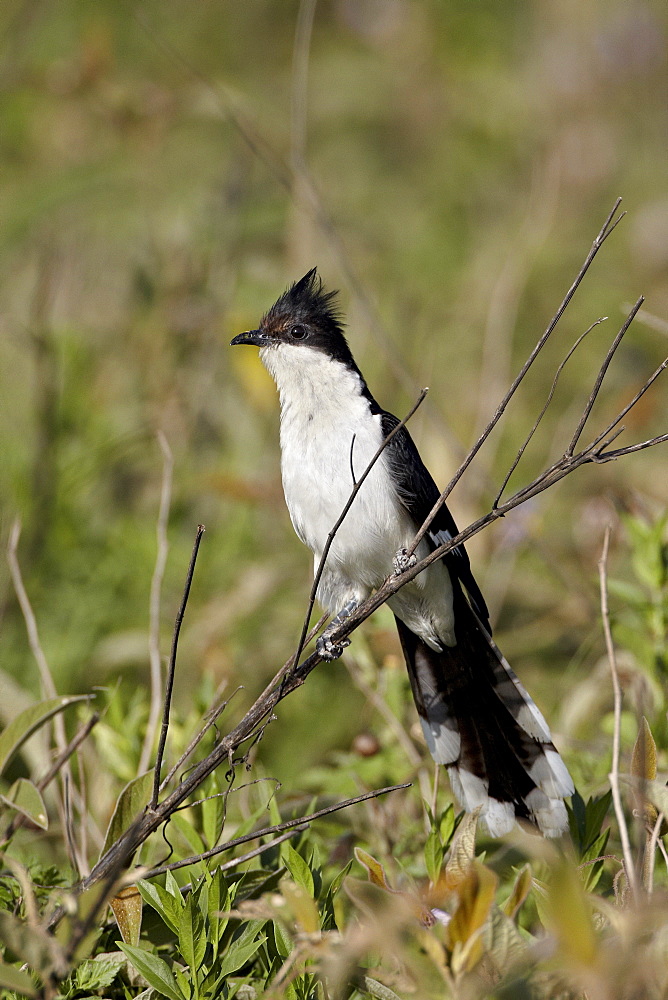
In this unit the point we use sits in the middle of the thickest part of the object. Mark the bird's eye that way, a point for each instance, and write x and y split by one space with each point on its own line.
298 332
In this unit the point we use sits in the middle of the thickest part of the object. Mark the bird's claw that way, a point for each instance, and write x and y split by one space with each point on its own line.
403 561
330 650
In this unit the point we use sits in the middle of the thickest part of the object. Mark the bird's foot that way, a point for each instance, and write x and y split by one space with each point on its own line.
330 650
325 646
403 561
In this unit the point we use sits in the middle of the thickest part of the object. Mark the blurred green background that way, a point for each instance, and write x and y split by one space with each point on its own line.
168 168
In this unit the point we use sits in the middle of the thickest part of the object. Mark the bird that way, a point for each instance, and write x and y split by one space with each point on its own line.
477 718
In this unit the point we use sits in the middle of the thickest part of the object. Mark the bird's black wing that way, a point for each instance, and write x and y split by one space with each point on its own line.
418 493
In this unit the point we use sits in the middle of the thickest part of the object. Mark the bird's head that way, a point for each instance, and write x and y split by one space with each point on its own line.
305 317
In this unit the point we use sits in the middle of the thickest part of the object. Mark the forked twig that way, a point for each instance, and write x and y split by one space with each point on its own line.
171 670
607 228
601 375
542 413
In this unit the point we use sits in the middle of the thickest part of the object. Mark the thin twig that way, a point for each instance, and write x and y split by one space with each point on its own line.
268 831
652 842
542 413
613 777
629 406
68 823
154 603
608 226
209 720
261 849
48 686
357 485
171 670
601 375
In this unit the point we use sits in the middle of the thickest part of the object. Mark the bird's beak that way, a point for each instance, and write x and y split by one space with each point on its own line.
255 337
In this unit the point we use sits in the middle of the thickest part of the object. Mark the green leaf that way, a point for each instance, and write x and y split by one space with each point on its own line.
155 971
29 721
213 813
433 856
337 881
188 832
242 949
97 973
174 889
298 868
129 805
25 798
218 900
591 873
377 990
446 827
164 904
17 981
192 939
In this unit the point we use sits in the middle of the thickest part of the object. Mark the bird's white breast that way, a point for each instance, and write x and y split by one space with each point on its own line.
328 438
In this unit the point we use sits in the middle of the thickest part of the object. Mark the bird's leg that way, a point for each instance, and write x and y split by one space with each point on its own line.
402 561
324 646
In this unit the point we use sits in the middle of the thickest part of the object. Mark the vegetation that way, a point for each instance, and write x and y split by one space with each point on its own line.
167 169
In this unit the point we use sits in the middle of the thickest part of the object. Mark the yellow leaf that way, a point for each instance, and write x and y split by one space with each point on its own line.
519 892
476 897
462 854
643 758
568 915
374 869
127 909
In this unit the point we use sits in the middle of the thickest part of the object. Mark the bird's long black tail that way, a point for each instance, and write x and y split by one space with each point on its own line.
482 724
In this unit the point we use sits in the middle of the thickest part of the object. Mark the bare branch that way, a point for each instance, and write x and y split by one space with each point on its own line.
209 720
629 865
608 226
601 375
48 687
357 485
629 406
172 668
611 456
268 831
154 603
542 413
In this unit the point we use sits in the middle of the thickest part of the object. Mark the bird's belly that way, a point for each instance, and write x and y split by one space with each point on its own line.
318 477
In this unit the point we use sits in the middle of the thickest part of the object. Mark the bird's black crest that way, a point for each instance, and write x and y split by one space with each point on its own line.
306 301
